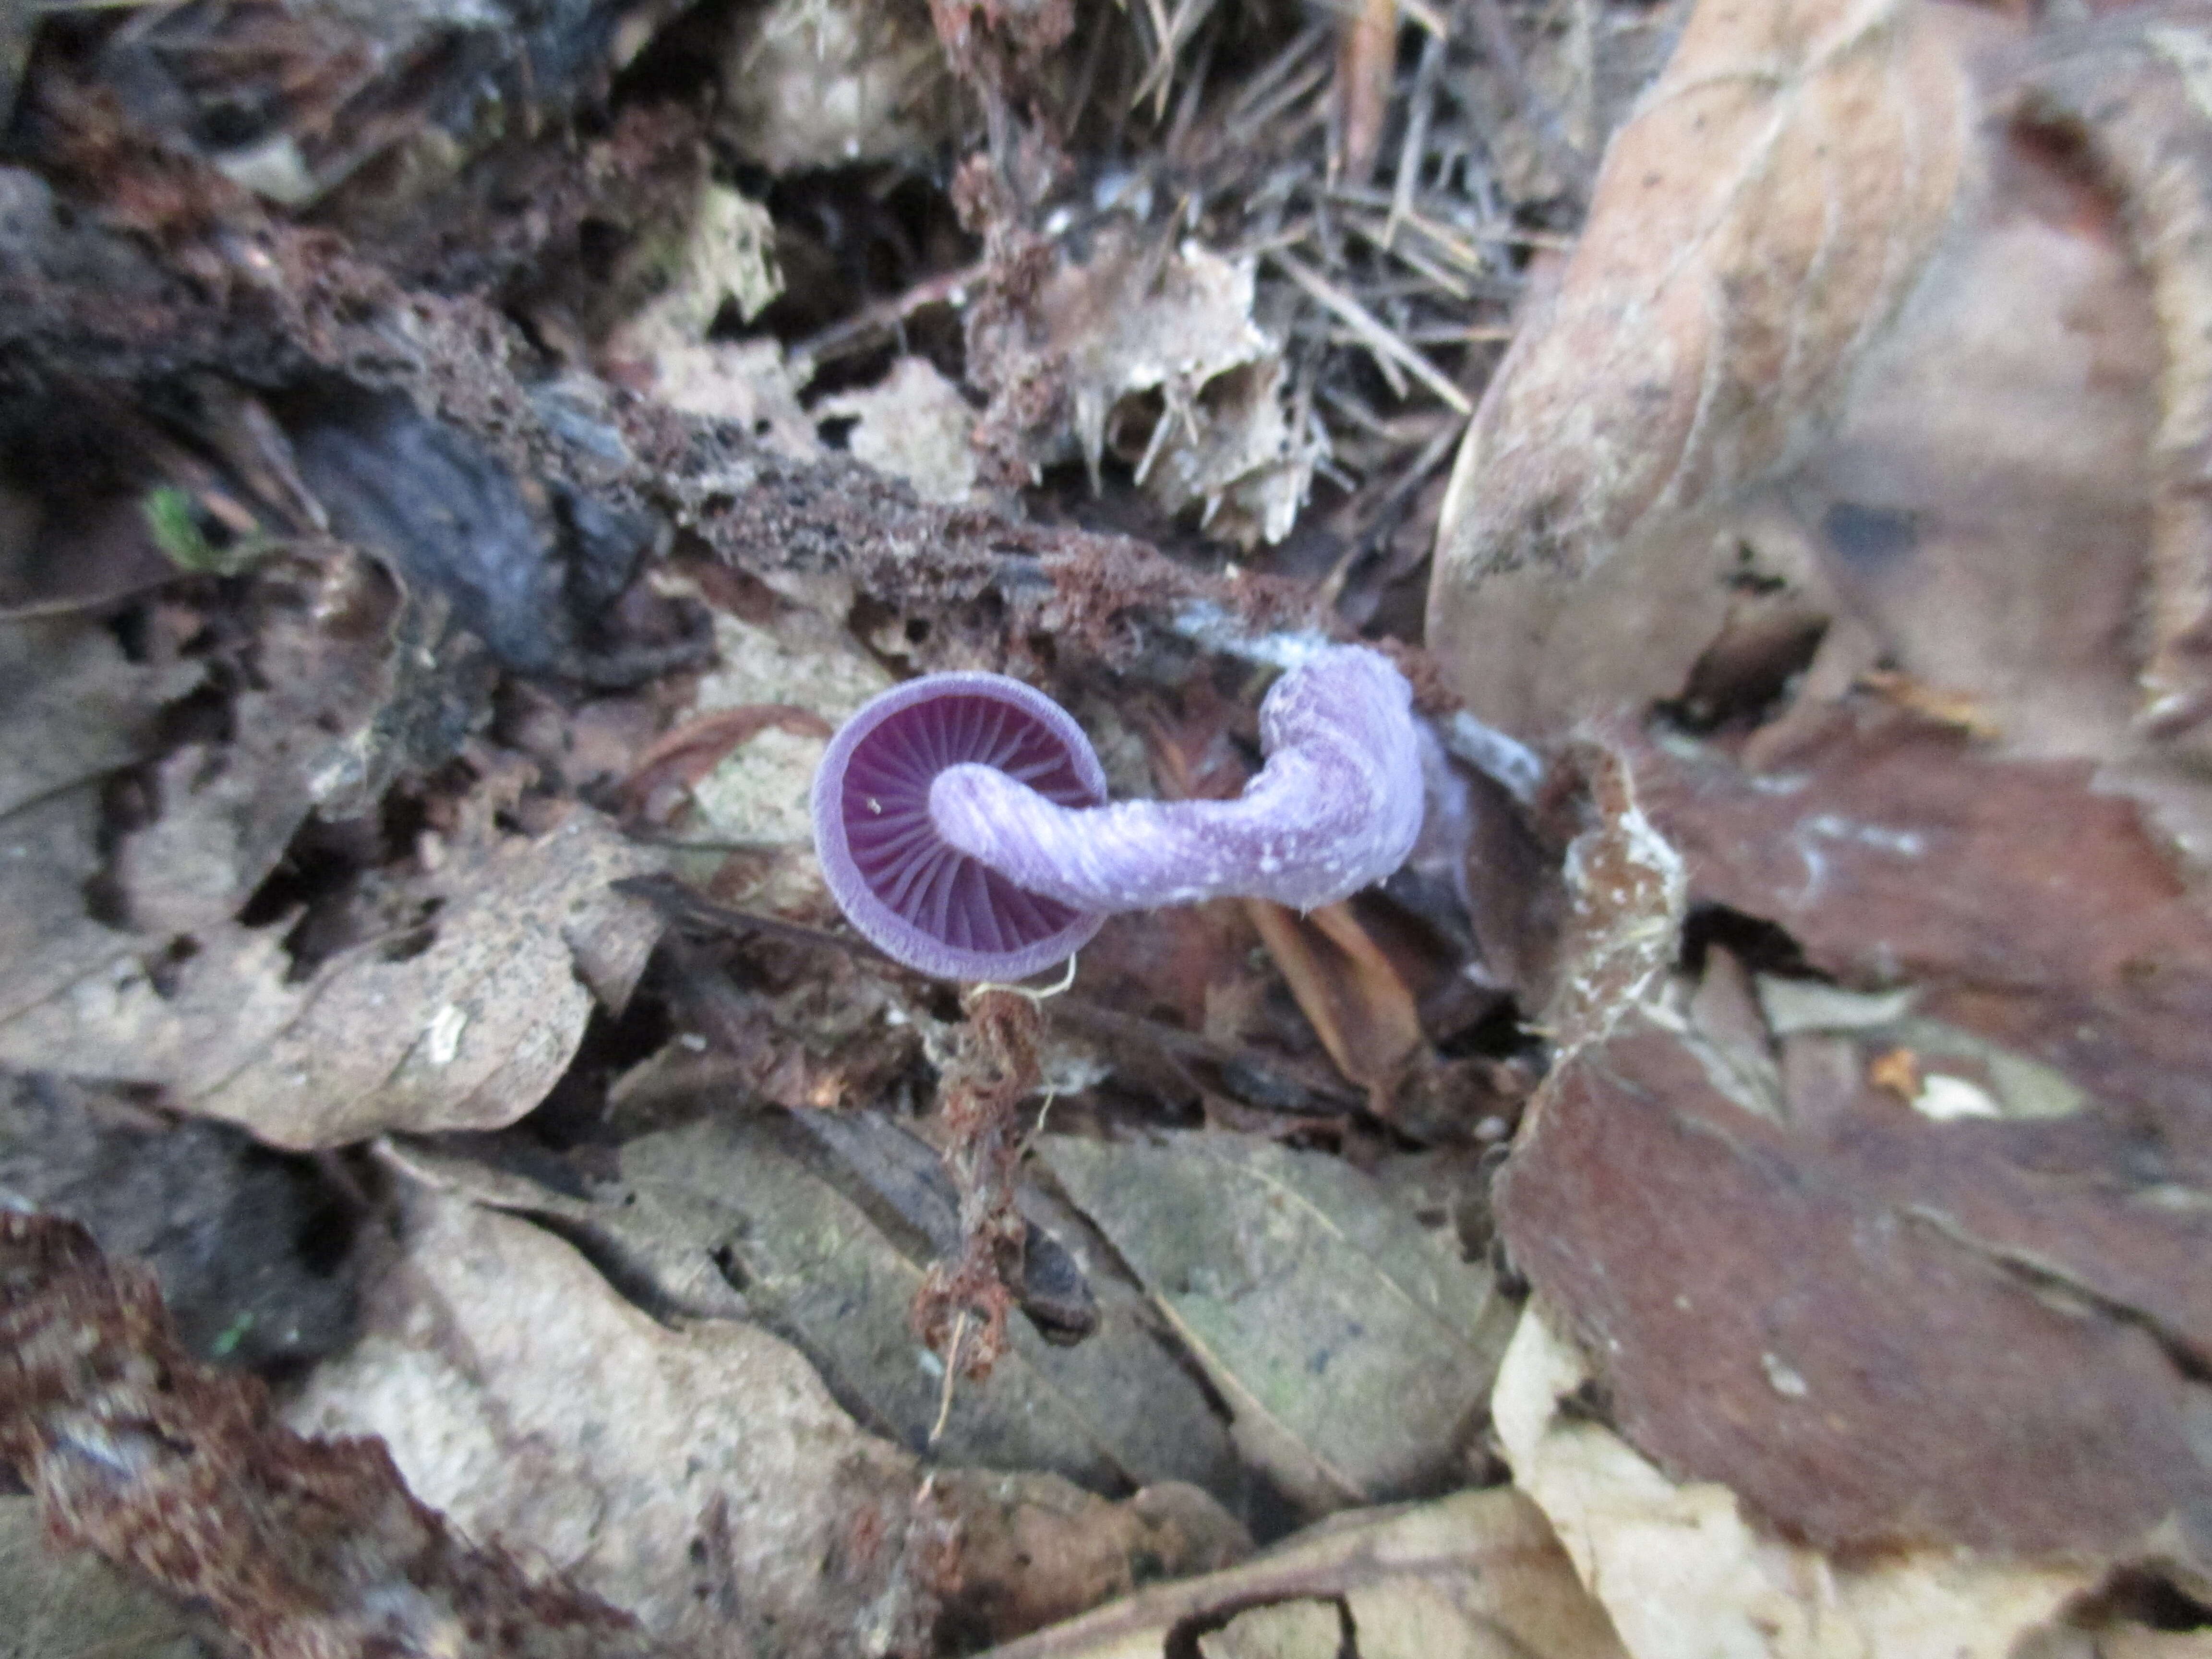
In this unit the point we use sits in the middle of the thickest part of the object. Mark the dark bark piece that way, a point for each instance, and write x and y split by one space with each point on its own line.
2032 910
1880 1329
1812 1322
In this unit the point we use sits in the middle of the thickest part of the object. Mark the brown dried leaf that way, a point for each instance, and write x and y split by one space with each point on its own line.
2023 904
1985 508
1770 1251
1683 1573
1360 1006
1476 1574
465 1023
181 1473
1755 224
2139 89
683 756
701 1476
1859 1322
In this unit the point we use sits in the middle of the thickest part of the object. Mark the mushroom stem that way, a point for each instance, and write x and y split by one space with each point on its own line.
1337 806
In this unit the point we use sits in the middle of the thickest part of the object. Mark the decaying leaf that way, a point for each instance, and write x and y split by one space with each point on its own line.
912 424
1302 1290
1683 1573
1755 224
77 1606
2021 902
1982 508
1138 319
1360 1006
2135 89
833 83
184 1475
218 1220
74 711
1797 1284
723 254
464 1020
831 1258
701 1476
794 660
1469 1577
353 684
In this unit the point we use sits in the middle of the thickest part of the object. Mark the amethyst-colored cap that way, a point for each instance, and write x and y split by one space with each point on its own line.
910 891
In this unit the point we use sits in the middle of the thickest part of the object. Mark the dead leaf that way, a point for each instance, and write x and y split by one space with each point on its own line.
1299 1287
1764 1293
1755 224
701 1476
184 1475
218 1218
75 1606
2136 89
1087 343
74 708
1281 1630
1984 504
913 425
1469 1577
1360 1006
2023 904
1685 1574
353 684
1768 1251
700 1479
681 756
464 1022
808 84
1116 1409
1036 1548
74 711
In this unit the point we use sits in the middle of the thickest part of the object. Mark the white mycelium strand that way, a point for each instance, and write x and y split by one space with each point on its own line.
1338 806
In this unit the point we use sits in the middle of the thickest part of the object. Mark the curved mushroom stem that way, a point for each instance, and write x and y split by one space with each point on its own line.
1337 806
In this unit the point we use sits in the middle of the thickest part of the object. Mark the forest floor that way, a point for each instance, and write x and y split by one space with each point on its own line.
1743 1187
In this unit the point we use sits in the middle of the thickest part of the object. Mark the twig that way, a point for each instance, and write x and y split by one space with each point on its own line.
888 313
1372 330
1419 109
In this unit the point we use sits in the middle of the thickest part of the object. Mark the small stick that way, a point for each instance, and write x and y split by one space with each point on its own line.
1378 337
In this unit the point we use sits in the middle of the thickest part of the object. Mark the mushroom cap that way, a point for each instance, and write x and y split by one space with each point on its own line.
910 892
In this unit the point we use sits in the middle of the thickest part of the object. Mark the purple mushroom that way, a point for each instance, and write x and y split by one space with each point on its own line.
961 822
912 893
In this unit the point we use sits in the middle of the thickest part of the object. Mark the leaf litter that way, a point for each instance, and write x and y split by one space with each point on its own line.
451 496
